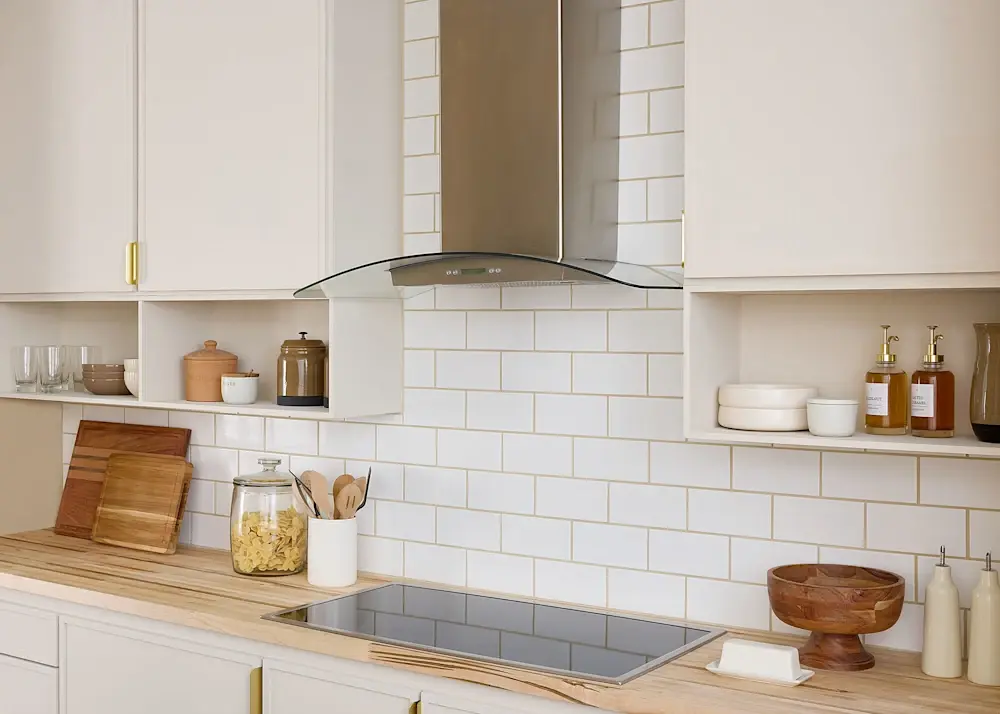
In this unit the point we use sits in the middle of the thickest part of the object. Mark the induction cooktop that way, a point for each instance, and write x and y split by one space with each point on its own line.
578 642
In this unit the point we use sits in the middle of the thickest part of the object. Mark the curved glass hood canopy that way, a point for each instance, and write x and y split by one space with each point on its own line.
529 155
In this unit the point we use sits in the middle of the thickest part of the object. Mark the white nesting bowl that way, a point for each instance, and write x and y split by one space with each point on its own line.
832 417
132 381
766 396
762 419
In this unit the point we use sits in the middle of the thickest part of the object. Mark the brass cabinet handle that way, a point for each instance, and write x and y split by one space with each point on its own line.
132 263
257 690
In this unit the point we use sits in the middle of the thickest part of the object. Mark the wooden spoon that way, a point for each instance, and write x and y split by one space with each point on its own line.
318 487
341 481
347 501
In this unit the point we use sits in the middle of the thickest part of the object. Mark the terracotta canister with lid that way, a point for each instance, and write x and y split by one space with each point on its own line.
203 370
301 378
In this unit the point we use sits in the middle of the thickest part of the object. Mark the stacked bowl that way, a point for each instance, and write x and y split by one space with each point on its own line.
764 407
105 379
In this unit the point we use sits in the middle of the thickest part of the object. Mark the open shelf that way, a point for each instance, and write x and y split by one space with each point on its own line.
828 340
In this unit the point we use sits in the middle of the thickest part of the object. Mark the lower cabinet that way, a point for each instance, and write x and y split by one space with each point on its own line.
290 689
28 688
108 670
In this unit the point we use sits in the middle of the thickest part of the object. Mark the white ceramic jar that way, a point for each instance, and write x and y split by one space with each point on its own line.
239 388
832 417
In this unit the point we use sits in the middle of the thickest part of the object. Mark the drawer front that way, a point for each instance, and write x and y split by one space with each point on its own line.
29 634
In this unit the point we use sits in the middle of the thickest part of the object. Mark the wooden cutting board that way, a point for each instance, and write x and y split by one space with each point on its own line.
142 502
95 442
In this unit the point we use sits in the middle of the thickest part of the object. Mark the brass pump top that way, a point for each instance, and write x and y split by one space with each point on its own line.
932 356
885 356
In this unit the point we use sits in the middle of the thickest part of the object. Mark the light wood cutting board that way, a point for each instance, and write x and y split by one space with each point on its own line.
95 442
142 502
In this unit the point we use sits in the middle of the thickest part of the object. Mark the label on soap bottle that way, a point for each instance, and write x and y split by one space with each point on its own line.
922 400
877 399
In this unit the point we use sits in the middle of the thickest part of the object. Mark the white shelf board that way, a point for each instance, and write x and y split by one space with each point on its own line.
843 283
265 409
905 444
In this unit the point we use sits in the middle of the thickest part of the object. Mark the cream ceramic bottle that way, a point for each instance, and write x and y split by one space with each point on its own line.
984 629
942 655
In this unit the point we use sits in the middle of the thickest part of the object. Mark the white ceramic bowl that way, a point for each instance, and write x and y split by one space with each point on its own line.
762 419
239 389
132 381
132 364
832 417
765 396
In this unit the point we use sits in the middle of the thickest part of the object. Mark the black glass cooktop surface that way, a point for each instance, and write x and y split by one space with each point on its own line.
584 643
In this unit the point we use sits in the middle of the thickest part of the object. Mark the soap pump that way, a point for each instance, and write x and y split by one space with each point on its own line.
984 629
886 394
942 655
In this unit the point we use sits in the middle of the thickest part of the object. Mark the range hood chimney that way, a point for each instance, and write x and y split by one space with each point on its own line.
530 100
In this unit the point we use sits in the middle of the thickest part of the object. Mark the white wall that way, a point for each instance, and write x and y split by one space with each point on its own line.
541 450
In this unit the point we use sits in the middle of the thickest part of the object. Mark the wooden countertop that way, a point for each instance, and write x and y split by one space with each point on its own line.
198 588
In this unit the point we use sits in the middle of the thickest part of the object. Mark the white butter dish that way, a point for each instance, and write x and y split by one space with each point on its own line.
760 662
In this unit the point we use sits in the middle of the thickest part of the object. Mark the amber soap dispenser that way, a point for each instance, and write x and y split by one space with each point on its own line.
886 395
932 394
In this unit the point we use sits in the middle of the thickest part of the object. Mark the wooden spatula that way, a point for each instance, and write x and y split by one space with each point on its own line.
347 501
318 487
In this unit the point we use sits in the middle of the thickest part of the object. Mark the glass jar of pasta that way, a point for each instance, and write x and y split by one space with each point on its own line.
267 529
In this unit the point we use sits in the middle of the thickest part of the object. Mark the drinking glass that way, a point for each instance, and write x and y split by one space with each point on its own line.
25 369
77 356
52 368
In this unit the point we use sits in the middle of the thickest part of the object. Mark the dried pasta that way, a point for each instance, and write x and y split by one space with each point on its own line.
263 544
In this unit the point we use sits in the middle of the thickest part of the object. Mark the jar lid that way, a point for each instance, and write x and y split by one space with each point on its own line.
210 353
267 477
302 342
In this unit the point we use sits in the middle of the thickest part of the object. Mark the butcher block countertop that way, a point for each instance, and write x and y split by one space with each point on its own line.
198 588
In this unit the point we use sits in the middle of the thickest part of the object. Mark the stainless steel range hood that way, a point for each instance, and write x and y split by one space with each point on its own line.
529 154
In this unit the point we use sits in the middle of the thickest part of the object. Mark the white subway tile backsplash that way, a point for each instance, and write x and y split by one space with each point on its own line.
223 498
418 368
434 407
651 156
635 27
98 412
201 497
571 498
542 297
202 426
147 417
250 461
665 198
573 331
420 19
209 531
441 487
666 375
421 97
537 454
68 441
776 470
71 416
346 440
607 296
650 243
513 330
239 432
875 477
507 493
571 414
702 465
418 136
426 329
916 529
366 521
960 482
728 603
418 214
906 634
603 544
470 449
653 68
380 556
642 505
646 418
420 59
685 553
632 194
292 436
418 244
500 411
645 331
743 514
571 582
468 529
814 520
215 464
666 112
965 574
468 370
437 563
406 444
898 563
753 558
984 533
666 22
536 372
501 573
539 537
422 174
611 459
609 373
633 116
405 521
459 298
387 479
652 593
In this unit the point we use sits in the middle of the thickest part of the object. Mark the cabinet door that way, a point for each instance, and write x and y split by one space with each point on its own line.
231 149
116 671
67 144
288 692
28 688
842 138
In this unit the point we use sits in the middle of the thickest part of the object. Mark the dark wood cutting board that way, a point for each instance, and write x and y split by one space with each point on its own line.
95 442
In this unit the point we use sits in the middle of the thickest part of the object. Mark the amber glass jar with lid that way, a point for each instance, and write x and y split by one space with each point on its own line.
203 370
267 528
301 376
886 394
932 394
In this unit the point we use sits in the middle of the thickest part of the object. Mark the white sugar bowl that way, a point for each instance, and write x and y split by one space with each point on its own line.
832 417
240 387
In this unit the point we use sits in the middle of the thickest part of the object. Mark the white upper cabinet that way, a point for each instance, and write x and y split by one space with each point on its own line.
67 144
231 144
842 138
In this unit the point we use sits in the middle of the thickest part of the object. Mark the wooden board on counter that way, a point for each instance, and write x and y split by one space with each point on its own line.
95 442
198 588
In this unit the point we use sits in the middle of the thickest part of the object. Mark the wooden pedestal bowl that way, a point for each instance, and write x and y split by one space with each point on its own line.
836 603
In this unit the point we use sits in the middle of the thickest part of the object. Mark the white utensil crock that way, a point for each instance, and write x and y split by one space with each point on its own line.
333 552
